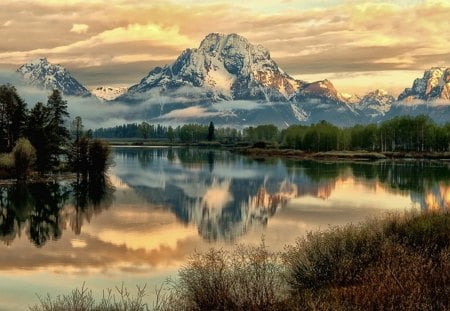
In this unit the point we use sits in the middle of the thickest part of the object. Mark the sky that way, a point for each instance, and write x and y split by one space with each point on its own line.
358 45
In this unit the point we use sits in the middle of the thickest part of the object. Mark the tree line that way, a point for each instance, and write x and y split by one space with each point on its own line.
187 133
38 139
403 133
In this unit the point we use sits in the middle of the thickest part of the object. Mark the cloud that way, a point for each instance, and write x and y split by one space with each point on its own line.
79 28
190 112
304 37
7 23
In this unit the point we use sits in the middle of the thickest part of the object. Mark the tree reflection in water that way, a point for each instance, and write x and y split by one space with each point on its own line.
43 209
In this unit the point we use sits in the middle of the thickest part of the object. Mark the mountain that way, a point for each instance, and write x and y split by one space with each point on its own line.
435 84
225 67
375 104
321 101
234 82
108 92
42 74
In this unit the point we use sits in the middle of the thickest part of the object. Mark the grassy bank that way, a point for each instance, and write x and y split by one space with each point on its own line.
340 155
398 262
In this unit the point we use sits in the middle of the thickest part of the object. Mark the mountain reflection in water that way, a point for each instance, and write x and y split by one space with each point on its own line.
225 195
160 205
222 194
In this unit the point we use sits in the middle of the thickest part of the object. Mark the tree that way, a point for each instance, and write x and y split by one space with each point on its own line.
144 129
211 131
76 128
99 159
58 133
170 134
13 114
37 132
78 149
24 156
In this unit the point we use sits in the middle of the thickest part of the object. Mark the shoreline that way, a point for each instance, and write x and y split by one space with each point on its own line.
341 155
254 152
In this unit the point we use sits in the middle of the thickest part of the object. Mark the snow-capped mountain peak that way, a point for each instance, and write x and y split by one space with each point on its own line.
42 74
108 92
435 84
224 66
376 103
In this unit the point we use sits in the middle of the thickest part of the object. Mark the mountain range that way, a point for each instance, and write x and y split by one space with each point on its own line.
230 81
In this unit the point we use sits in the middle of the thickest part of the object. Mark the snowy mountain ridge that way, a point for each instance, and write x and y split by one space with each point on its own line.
223 67
42 74
435 84
108 92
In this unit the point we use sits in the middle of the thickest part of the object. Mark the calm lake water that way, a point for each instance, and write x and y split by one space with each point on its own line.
160 205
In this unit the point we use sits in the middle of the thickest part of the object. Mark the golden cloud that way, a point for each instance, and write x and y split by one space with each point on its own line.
79 28
304 37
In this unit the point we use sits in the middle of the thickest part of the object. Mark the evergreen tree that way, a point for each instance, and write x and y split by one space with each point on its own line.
144 129
13 114
211 136
57 131
37 132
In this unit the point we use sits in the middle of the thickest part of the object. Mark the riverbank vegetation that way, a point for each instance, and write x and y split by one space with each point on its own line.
398 262
400 134
38 141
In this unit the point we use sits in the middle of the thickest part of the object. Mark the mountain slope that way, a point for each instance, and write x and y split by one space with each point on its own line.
375 104
435 84
321 101
42 74
229 69
223 67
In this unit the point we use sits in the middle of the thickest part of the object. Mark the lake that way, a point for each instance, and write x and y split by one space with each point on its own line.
159 206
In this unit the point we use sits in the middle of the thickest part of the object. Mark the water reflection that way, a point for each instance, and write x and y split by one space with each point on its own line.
225 195
161 204
222 195
44 209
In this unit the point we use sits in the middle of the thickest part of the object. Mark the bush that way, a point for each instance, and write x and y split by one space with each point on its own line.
24 156
420 232
250 278
6 165
83 300
6 161
401 262
400 280
99 158
336 257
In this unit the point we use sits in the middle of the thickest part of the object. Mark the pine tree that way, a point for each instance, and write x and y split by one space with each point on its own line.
13 114
37 132
211 131
57 131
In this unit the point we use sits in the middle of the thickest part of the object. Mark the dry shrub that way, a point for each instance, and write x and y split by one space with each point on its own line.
83 300
336 257
401 280
250 278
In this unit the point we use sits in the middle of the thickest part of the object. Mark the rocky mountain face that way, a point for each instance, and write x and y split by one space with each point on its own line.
232 82
108 92
375 104
42 74
223 67
435 84
321 101
227 68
